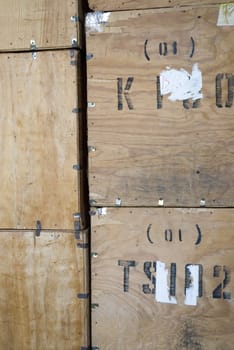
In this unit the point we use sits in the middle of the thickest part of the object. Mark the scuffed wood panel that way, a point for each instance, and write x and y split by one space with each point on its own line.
38 140
144 147
40 280
47 22
133 293
113 5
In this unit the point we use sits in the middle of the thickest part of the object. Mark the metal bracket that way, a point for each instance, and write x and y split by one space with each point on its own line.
38 228
76 167
73 54
33 47
83 245
74 43
83 296
91 104
92 149
89 56
202 202
76 217
118 202
76 110
161 202
77 229
75 19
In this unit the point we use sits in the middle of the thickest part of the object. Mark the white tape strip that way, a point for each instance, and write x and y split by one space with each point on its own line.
162 292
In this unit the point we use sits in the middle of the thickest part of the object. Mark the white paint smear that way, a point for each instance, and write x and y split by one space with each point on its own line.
226 15
180 84
162 291
94 21
192 292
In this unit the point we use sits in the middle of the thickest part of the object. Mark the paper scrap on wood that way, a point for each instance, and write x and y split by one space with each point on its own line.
94 21
226 15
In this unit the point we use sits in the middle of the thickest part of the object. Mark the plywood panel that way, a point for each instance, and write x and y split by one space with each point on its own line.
38 133
40 280
162 278
143 146
48 23
113 5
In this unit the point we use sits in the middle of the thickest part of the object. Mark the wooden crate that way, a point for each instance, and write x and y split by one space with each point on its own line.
113 5
47 24
41 278
162 278
146 150
39 139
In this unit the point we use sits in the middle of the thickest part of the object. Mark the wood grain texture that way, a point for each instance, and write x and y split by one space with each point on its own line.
38 146
48 22
113 5
135 320
40 279
179 154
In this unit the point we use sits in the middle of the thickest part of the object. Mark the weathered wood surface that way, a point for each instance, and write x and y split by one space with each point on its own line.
177 153
38 133
40 280
113 5
138 318
48 23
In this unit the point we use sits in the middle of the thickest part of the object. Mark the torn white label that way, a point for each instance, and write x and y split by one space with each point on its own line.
192 290
226 15
102 211
94 21
162 291
180 84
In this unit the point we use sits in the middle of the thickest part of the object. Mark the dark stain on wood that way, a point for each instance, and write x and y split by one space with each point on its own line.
189 339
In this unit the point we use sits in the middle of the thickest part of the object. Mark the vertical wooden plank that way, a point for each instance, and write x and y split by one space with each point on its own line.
41 278
162 278
39 141
146 147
